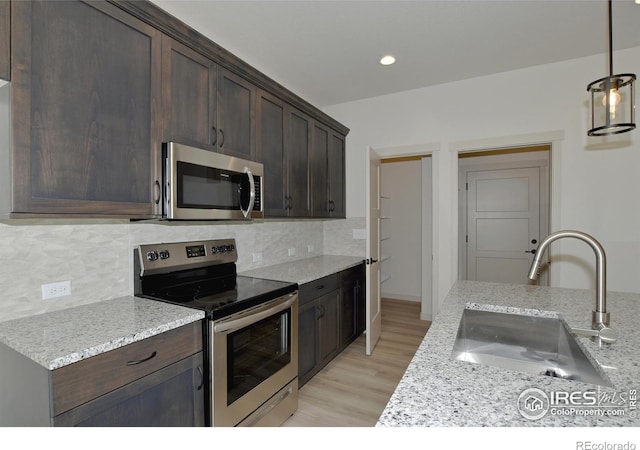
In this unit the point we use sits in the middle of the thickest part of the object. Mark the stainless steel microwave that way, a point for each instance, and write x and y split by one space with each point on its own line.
203 185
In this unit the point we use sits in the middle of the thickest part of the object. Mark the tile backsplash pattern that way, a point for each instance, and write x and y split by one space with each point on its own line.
97 256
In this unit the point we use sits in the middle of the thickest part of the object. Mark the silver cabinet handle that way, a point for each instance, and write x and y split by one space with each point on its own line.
140 361
214 136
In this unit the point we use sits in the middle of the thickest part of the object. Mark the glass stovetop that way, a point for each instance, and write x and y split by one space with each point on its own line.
223 297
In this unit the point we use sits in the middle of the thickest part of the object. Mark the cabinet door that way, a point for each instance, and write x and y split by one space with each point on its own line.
336 168
329 326
320 172
307 341
86 79
270 132
352 302
5 33
188 96
172 396
297 147
236 115
347 312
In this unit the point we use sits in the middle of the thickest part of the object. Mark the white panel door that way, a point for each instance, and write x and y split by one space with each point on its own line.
373 314
503 223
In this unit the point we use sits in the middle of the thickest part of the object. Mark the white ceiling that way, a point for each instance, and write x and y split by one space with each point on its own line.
327 51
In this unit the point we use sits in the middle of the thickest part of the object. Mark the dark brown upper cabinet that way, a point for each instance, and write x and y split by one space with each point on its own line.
327 173
85 99
97 86
204 104
283 142
337 175
270 141
188 96
236 115
299 129
5 34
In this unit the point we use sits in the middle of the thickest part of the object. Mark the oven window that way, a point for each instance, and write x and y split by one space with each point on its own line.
257 352
208 188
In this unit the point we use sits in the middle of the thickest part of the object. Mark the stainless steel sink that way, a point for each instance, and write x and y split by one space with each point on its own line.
531 344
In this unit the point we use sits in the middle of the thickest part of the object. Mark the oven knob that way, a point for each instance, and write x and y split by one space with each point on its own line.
232 247
214 249
164 254
152 255
227 248
221 249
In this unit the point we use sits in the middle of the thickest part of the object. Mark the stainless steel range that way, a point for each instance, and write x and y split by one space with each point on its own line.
251 330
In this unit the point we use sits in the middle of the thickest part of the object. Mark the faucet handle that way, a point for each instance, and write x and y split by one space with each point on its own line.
608 335
604 334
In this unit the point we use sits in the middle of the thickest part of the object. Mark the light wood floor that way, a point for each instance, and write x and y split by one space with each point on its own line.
353 389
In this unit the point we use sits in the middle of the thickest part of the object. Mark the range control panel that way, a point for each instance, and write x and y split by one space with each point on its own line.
169 257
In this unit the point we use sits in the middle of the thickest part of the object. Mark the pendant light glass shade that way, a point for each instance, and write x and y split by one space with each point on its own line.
612 99
612 105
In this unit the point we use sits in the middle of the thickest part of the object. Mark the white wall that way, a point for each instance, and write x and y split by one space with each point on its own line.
402 182
594 180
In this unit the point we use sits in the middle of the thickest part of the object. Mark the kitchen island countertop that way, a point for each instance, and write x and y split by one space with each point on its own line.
437 390
56 339
305 270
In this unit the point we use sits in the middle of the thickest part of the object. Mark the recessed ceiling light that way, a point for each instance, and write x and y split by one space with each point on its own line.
387 60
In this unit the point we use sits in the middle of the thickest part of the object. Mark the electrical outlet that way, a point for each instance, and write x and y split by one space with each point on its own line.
54 290
257 257
292 251
310 248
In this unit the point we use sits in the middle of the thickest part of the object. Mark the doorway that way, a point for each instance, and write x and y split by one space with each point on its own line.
404 183
504 211
406 257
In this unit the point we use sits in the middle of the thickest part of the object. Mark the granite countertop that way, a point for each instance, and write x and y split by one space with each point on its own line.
437 390
305 270
59 338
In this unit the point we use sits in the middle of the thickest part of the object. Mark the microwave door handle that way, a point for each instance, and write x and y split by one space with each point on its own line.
252 193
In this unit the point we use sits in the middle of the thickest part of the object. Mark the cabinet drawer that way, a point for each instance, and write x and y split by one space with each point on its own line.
317 288
85 380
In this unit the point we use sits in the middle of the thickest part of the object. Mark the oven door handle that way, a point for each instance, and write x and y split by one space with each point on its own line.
236 324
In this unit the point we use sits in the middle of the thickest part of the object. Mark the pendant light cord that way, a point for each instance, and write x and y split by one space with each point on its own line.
610 41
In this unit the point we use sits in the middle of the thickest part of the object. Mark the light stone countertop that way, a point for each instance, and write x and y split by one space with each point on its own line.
59 338
437 390
305 270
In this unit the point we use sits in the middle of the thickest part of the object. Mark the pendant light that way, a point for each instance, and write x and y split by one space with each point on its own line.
612 99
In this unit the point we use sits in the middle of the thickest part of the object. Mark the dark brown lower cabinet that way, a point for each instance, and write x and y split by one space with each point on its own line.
170 397
352 304
319 334
158 381
331 316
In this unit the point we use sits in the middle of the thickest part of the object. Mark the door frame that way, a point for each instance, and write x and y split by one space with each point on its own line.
512 158
553 138
429 304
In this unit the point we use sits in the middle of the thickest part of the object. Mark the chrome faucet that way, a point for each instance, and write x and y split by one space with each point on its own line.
600 316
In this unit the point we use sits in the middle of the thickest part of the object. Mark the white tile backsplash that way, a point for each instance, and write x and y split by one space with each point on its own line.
341 237
97 255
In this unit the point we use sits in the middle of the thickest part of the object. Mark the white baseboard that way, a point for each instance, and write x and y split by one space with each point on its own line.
410 298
